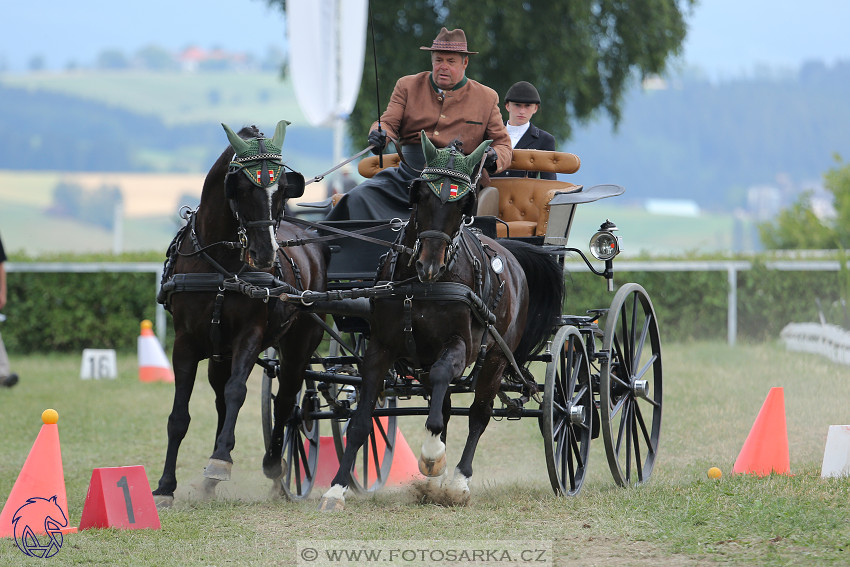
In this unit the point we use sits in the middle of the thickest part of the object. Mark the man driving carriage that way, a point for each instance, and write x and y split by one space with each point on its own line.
448 106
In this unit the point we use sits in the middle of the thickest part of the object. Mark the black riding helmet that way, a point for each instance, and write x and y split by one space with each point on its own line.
524 92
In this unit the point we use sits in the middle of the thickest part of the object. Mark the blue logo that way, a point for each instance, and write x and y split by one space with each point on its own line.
42 515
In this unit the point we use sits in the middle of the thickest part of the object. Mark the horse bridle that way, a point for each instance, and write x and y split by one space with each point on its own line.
267 178
447 173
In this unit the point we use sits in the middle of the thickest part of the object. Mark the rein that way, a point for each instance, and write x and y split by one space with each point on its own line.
395 224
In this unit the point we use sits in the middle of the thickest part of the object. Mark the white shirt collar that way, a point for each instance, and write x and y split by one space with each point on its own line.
516 132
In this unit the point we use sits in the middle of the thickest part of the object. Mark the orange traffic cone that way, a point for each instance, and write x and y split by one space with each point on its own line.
405 465
328 463
38 501
766 449
404 468
153 364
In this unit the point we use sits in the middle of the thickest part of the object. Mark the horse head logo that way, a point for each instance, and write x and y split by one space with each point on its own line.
43 516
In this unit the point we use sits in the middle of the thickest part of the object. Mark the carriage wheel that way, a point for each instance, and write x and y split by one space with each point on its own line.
566 419
374 460
300 452
630 386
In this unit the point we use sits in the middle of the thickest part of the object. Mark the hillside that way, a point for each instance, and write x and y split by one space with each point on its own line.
685 138
690 139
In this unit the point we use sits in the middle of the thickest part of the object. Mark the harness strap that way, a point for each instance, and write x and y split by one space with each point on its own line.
409 341
215 327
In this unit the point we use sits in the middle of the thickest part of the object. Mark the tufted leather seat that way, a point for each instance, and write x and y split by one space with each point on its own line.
522 203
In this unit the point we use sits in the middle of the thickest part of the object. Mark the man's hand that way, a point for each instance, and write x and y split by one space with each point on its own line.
378 141
490 161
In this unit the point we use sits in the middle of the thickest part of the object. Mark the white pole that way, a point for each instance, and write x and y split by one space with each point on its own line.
339 122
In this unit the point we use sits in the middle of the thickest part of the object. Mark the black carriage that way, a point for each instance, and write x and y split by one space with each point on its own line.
603 367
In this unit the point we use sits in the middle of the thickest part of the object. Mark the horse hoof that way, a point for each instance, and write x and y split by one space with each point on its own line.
333 500
274 470
206 488
458 489
163 501
433 467
331 504
217 469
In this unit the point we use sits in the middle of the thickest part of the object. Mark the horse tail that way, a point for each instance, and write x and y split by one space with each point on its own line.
545 279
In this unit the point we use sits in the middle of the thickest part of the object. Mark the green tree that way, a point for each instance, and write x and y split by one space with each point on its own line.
799 228
580 54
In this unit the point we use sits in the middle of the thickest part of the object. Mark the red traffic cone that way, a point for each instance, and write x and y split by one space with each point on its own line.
153 364
766 449
38 499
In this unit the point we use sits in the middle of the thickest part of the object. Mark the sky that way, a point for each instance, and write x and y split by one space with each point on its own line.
726 37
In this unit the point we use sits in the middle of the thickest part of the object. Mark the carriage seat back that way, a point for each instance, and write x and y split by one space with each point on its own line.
524 202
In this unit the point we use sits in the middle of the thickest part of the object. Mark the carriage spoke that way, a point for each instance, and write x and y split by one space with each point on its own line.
635 435
643 334
575 443
628 434
644 431
380 426
619 405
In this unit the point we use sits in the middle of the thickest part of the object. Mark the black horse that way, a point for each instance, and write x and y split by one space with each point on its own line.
221 268
440 327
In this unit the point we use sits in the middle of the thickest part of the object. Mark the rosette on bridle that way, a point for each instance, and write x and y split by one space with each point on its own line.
448 172
258 158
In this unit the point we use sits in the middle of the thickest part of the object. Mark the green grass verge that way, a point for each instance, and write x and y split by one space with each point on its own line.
712 396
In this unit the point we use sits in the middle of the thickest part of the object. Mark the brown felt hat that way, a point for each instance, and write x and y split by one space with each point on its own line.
452 41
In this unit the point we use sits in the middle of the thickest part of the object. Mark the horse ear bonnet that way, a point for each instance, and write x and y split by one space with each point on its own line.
258 158
448 172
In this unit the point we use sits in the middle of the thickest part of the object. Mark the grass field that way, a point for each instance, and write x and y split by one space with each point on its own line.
232 97
713 394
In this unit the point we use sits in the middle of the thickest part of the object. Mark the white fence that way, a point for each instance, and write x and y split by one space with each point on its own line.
574 265
818 338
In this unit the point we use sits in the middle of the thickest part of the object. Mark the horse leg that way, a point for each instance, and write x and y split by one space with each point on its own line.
185 367
432 458
295 349
479 417
235 390
218 372
375 366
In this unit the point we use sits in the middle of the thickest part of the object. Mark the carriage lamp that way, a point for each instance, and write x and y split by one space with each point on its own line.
604 245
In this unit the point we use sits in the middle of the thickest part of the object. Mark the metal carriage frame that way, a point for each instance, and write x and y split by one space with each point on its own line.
603 368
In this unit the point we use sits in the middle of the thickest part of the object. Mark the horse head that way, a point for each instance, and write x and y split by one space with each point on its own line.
442 197
257 197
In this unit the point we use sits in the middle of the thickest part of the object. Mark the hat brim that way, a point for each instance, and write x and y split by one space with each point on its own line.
448 50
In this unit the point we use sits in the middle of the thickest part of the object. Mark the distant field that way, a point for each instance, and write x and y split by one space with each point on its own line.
178 98
151 204
152 201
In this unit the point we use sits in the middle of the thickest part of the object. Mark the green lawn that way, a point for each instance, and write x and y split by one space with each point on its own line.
712 395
